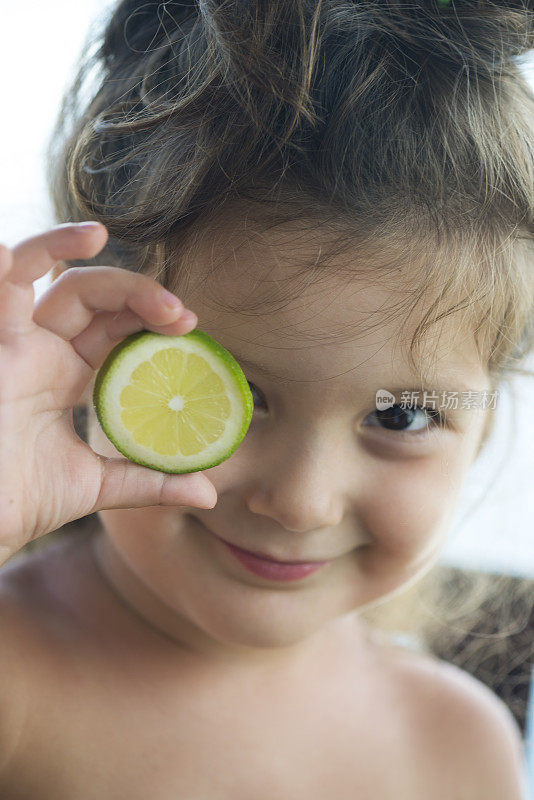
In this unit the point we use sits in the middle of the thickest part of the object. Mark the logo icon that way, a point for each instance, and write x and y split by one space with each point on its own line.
384 399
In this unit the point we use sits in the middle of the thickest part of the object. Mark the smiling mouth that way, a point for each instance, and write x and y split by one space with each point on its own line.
264 556
268 558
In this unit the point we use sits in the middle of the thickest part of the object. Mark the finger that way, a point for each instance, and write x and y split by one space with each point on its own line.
9 311
106 330
128 485
35 256
69 305
32 259
6 260
16 306
16 301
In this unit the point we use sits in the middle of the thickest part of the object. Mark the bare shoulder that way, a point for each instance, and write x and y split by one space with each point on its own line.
16 651
29 588
30 620
464 729
37 590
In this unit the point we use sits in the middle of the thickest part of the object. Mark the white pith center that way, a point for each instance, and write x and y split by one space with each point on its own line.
176 403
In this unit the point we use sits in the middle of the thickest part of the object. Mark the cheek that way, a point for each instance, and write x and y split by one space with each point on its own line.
411 506
141 534
147 540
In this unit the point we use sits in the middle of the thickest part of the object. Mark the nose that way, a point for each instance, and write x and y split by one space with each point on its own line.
302 491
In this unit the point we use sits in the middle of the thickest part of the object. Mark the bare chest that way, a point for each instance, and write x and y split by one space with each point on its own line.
89 740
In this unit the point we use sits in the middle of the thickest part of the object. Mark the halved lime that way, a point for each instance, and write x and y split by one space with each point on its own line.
173 403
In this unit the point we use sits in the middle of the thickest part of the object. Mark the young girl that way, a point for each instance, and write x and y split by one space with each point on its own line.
342 194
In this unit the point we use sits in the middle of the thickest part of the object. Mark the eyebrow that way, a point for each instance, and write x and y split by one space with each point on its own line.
443 384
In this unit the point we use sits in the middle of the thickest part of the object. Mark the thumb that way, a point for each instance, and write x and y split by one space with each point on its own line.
129 485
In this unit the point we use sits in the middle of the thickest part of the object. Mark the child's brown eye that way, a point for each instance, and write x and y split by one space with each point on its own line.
256 394
397 418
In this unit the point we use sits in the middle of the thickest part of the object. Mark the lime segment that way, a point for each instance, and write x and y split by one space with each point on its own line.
173 403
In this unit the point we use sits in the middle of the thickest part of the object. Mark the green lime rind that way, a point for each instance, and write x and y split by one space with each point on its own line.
112 367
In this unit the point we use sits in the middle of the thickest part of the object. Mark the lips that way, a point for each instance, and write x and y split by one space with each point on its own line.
273 570
264 566
264 556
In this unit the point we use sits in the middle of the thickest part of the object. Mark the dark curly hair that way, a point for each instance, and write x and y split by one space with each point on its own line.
404 129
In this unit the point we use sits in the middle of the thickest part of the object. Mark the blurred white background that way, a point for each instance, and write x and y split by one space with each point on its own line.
494 527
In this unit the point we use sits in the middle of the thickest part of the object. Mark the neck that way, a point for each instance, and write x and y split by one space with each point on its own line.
167 628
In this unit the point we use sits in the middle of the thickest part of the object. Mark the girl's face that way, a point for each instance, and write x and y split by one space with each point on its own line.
318 476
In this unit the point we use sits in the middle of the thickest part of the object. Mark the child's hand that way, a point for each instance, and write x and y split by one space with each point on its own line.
48 355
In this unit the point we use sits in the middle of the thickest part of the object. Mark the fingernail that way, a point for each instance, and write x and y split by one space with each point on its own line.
87 226
188 316
210 503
